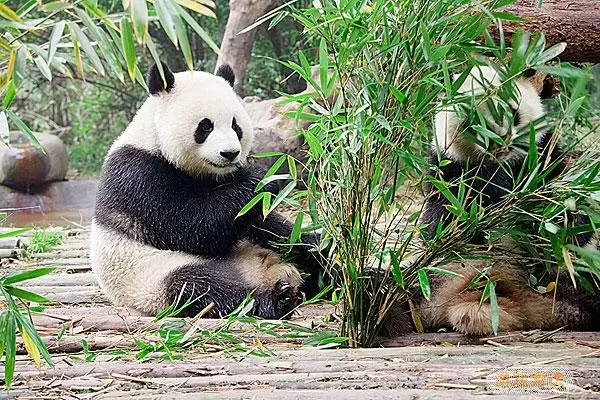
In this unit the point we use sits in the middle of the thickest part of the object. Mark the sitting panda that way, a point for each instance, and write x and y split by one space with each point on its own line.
165 230
455 302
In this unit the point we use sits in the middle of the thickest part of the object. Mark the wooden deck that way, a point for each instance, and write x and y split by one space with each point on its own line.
416 366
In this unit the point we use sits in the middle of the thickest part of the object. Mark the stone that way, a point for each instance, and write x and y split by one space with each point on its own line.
25 167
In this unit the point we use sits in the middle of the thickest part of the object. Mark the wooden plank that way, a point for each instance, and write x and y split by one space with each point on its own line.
58 254
331 394
62 279
300 370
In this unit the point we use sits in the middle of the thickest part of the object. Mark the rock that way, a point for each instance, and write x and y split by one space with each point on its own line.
273 130
24 167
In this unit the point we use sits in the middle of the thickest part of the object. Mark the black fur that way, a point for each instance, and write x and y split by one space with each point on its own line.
204 128
155 83
275 231
225 72
218 281
144 197
488 178
237 128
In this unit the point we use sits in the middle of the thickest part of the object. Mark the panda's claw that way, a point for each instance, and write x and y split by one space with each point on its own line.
282 287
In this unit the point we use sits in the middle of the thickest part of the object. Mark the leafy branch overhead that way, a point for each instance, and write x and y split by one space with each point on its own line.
80 37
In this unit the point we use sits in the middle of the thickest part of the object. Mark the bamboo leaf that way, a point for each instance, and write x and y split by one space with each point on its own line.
424 284
323 63
30 347
199 30
19 66
24 128
569 264
182 36
4 132
26 295
551 53
139 16
87 48
494 310
93 7
197 7
442 271
396 270
251 203
21 276
54 6
55 37
7 13
105 45
297 228
43 67
282 195
128 47
26 8
166 19
10 343
76 51
13 233
3 322
35 338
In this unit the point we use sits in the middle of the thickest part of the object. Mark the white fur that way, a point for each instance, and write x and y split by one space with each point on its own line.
482 80
132 274
166 124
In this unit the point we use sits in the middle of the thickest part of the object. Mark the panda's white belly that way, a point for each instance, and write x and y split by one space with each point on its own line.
130 273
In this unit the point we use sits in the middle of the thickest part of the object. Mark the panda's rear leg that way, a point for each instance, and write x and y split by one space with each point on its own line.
225 282
518 306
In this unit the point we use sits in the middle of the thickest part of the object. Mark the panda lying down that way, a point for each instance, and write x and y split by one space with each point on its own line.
455 302
165 229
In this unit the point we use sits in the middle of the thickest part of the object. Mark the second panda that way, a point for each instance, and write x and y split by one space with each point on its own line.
455 302
165 230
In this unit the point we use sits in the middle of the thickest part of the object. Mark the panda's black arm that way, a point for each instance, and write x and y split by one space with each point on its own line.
274 232
143 196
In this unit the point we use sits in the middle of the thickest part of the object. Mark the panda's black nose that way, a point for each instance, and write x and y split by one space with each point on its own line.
230 155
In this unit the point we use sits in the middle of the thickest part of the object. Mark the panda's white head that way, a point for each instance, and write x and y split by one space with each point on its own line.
505 119
201 126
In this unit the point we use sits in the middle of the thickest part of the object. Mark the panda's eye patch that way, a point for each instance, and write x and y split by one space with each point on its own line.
204 128
236 128
516 117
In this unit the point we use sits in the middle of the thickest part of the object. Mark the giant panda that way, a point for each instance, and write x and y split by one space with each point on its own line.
165 232
457 154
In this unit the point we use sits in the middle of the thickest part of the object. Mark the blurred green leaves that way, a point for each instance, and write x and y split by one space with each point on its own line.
80 37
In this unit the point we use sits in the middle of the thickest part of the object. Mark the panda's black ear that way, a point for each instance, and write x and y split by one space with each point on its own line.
155 82
225 72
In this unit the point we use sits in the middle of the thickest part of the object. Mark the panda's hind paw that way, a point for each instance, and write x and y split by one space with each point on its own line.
285 297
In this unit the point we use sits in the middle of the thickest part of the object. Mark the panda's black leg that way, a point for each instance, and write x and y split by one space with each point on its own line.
224 282
199 285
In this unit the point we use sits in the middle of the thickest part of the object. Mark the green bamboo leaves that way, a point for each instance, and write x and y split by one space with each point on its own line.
13 319
90 39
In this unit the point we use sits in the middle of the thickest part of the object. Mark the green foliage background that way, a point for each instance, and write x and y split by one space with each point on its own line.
89 113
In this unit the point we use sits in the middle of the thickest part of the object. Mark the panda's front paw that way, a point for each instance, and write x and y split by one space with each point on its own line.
277 302
285 297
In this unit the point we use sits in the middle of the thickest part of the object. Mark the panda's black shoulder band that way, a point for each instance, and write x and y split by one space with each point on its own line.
155 81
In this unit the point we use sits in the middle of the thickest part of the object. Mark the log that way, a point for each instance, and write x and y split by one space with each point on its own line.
92 322
243 393
82 279
575 22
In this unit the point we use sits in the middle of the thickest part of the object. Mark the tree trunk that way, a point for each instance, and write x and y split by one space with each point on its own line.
236 49
575 22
